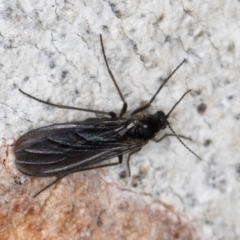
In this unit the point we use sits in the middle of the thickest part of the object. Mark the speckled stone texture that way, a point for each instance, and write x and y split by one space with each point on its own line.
51 50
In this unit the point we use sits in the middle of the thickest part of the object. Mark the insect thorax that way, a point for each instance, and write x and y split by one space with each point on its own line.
145 127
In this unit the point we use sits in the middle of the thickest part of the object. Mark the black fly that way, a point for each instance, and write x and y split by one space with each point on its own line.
61 149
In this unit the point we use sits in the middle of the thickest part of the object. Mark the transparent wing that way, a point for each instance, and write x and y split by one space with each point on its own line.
71 147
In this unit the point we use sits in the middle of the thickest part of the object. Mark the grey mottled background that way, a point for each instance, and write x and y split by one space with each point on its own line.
51 50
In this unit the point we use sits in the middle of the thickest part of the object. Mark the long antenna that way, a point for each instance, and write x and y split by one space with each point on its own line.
177 103
174 131
182 142
147 105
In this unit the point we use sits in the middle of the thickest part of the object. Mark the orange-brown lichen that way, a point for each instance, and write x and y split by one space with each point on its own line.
86 206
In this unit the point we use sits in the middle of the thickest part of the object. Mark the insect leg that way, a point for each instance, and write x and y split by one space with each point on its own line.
128 160
49 185
111 114
79 170
125 105
140 109
170 135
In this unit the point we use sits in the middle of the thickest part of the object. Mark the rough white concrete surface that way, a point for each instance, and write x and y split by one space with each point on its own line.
51 49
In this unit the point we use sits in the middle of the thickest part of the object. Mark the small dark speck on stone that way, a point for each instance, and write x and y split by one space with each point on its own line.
118 14
177 235
198 35
133 30
196 92
207 142
231 47
134 45
161 18
135 181
92 77
8 44
26 78
238 169
201 108
115 11
208 222
64 74
8 12
123 174
167 39
187 11
143 58
158 20
52 65
216 180
227 82
105 27
99 221
17 180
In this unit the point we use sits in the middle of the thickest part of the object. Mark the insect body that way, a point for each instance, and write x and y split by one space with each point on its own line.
71 147
61 149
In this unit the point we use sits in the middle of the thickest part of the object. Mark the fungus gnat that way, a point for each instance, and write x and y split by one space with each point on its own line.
61 149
